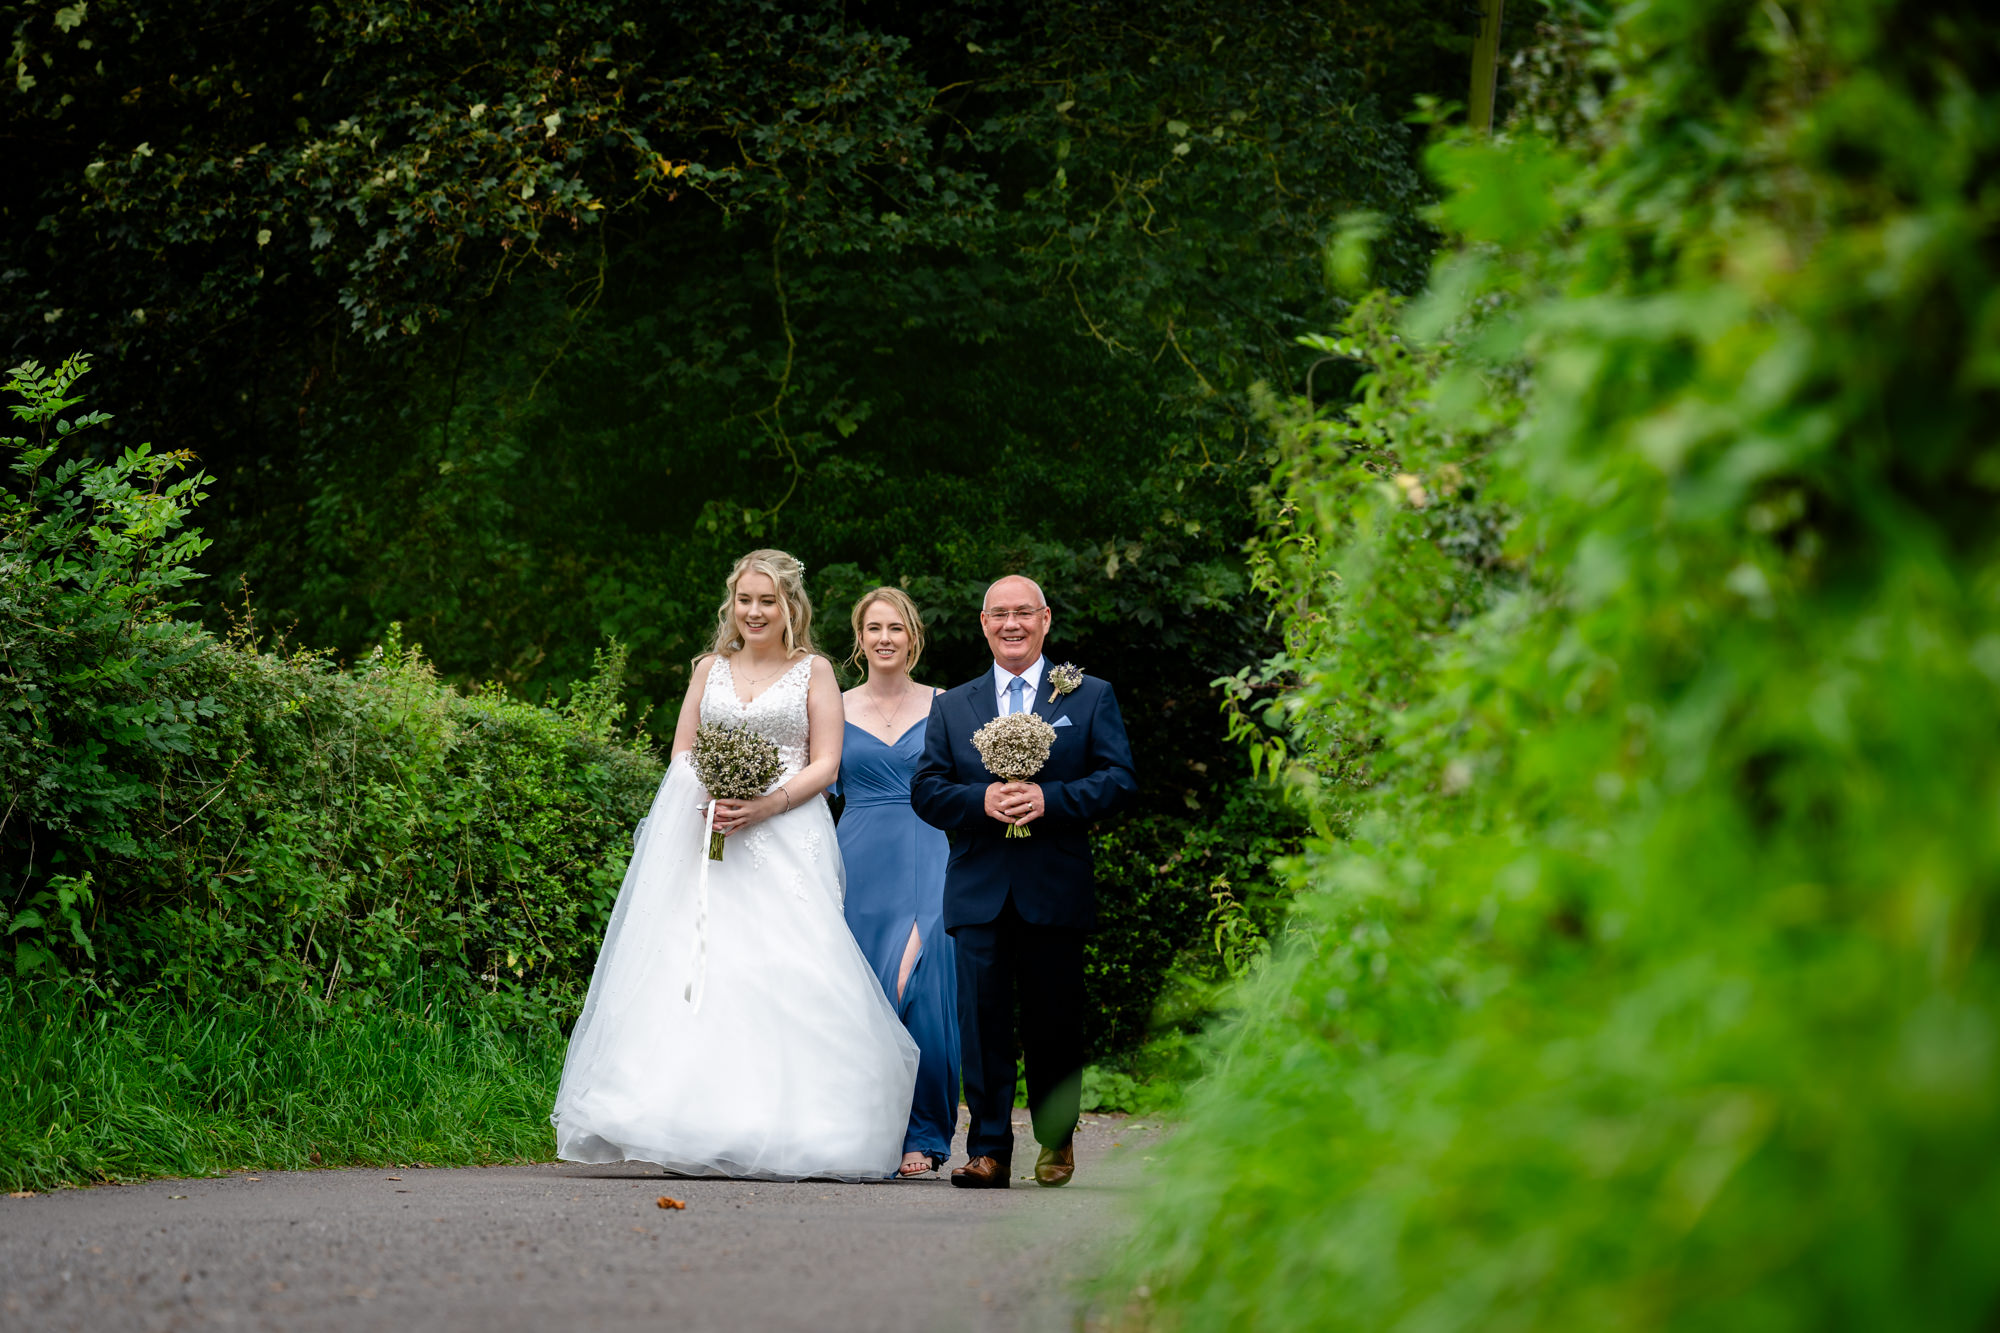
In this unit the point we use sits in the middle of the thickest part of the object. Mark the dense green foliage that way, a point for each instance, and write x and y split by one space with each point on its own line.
153 1088
800 274
1184 904
190 814
513 324
1643 636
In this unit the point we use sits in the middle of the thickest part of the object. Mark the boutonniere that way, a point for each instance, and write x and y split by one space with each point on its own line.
1064 679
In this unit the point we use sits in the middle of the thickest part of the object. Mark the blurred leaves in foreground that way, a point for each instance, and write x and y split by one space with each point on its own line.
1643 641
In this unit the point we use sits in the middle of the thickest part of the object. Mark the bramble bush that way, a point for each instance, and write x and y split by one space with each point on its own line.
187 814
1642 630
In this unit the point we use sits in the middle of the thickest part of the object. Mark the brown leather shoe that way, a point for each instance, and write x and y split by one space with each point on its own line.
981 1173
1056 1165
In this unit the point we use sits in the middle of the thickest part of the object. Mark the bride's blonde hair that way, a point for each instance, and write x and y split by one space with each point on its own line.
789 577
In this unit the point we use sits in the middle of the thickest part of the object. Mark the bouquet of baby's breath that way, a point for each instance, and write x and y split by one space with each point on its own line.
734 764
1014 748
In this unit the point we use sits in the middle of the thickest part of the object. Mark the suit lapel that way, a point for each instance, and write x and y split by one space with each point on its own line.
985 707
1045 699
986 697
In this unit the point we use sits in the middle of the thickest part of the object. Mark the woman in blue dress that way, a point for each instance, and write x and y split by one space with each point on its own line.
895 863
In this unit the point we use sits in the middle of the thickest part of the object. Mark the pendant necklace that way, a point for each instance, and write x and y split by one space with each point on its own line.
888 728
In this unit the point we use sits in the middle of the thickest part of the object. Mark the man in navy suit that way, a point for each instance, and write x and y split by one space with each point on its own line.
1018 908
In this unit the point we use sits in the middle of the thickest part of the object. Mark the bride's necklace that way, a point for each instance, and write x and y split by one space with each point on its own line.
754 681
888 726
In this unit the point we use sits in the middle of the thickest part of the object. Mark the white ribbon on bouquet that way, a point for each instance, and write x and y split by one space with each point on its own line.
694 989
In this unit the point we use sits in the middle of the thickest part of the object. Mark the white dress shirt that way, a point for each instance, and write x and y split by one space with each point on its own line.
1032 681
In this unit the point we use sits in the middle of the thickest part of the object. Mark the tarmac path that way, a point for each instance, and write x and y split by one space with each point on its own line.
562 1248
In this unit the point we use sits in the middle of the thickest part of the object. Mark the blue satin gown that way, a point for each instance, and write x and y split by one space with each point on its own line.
895 876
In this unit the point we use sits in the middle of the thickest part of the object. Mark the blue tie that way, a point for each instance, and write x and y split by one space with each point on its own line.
1015 687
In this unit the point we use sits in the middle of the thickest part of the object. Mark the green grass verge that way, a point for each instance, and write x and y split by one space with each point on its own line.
95 1092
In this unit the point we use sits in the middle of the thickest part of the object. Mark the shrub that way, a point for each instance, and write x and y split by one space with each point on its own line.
190 814
1644 610
1161 883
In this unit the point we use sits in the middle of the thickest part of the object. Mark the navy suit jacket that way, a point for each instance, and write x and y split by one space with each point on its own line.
1088 774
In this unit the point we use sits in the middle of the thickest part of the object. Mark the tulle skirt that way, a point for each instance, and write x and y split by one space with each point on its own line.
770 1052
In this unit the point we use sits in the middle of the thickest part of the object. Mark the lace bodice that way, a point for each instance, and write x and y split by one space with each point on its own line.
778 714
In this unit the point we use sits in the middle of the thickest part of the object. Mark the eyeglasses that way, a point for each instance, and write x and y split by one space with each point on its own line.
1022 614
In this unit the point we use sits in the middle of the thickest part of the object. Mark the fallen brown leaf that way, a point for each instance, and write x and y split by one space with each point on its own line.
665 1202
29 1194
392 1177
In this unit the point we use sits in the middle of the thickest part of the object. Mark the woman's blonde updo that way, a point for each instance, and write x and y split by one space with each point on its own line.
790 578
905 608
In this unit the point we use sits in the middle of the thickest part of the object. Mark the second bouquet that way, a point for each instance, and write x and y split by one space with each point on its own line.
1014 748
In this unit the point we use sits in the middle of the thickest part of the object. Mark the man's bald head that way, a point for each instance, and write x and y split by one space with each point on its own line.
1032 588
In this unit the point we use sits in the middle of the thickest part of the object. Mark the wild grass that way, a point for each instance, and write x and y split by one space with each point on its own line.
94 1092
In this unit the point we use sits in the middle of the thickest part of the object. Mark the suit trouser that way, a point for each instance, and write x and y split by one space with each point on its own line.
1043 965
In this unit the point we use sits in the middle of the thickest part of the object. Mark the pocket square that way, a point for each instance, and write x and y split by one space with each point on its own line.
1062 721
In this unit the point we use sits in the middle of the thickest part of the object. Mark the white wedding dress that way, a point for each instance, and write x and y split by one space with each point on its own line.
771 1051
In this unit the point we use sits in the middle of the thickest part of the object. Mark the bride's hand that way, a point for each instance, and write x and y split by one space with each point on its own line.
735 816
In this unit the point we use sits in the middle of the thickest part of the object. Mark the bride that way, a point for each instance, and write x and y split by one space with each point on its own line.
758 1044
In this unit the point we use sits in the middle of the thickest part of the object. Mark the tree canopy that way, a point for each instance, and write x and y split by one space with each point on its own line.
512 325
531 316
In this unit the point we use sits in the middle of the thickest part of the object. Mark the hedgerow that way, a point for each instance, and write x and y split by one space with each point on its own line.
190 815
1643 658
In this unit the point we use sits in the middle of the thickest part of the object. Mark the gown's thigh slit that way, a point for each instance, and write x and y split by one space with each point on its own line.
913 949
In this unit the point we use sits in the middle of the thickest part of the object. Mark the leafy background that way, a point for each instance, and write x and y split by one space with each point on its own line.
486 336
1551 578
